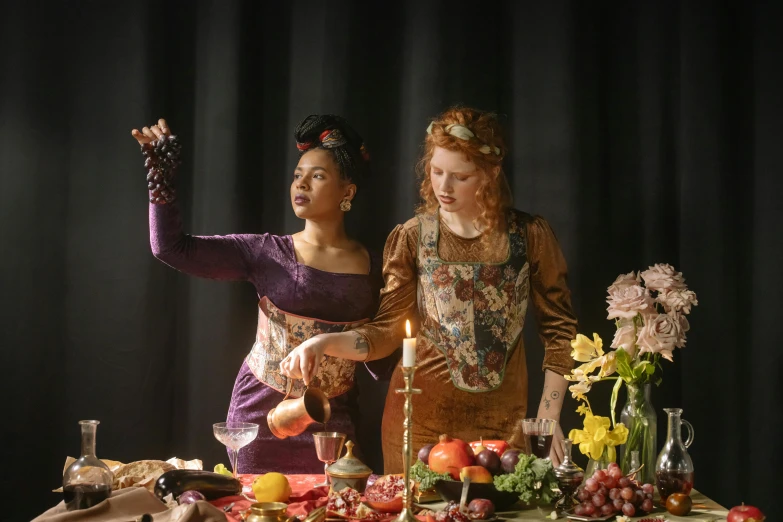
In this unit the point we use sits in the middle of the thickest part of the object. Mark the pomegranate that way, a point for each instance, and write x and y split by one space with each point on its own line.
385 495
745 513
450 456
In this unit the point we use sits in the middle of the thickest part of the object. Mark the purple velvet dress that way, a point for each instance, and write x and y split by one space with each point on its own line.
269 263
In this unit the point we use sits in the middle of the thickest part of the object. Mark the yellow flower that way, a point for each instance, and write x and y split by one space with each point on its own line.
584 409
579 389
596 436
585 350
608 364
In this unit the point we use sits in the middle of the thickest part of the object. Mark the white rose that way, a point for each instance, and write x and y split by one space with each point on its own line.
629 301
660 334
624 281
677 300
662 277
625 338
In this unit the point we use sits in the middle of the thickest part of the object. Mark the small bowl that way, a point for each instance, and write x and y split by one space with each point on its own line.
348 472
339 483
451 490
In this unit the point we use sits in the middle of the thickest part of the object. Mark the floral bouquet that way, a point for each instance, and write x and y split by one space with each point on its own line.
649 309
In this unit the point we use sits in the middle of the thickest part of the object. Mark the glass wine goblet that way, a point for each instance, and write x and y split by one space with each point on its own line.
235 436
539 434
328 446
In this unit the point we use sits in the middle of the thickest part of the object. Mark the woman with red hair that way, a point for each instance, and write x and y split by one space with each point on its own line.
466 267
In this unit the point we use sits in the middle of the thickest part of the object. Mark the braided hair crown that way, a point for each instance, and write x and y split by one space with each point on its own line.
334 134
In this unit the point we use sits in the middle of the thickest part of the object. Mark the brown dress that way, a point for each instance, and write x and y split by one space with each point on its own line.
472 407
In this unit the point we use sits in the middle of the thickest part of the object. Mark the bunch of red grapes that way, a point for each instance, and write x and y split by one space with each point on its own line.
162 157
609 492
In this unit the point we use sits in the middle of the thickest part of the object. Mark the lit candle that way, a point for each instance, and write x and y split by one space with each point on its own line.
408 347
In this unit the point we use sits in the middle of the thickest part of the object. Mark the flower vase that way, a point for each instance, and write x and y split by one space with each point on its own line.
602 463
639 417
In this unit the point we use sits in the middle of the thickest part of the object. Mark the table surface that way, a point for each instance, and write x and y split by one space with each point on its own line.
704 510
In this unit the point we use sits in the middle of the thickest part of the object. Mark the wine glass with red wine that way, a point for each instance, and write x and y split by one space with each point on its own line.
539 434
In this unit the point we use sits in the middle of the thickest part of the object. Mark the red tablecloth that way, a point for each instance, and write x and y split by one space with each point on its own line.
305 497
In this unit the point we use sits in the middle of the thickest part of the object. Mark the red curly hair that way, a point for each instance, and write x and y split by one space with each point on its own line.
494 194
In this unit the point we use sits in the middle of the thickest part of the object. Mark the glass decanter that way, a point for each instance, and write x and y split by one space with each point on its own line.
87 481
674 467
569 477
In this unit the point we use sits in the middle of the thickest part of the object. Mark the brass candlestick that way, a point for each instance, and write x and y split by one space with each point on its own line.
407 445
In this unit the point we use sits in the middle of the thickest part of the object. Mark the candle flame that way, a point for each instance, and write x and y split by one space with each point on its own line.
407 328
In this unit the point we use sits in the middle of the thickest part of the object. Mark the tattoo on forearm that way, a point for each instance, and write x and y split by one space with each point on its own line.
361 344
544 398
552 397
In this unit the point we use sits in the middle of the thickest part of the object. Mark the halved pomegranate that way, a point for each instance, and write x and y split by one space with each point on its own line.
385 495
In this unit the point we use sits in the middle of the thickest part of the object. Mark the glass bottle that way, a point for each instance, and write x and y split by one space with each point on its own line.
674 467
640 418
87 481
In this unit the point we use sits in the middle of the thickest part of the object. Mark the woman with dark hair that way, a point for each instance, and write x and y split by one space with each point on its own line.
317 280
465 267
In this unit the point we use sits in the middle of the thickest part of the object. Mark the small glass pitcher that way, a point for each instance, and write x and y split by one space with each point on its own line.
674 467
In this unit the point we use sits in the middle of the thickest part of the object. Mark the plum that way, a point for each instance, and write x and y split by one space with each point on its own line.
508 462
490 460
481 509
424 453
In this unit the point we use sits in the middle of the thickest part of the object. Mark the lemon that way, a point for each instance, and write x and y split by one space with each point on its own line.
271 487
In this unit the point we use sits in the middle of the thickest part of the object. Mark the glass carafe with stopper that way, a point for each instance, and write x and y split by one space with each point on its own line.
674 468
87 481
569 477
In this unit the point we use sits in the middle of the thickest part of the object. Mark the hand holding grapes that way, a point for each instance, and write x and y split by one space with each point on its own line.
161 151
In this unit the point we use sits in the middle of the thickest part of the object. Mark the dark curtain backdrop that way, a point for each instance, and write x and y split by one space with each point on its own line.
643 131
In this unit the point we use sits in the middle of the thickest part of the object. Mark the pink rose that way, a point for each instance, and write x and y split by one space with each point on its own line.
629 301
677 300
624 281
625 338
662 277
661 333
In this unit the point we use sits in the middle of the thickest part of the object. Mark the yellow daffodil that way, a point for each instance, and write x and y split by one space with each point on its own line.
596 436
585 350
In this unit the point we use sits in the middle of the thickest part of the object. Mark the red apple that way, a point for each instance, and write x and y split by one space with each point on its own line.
745 513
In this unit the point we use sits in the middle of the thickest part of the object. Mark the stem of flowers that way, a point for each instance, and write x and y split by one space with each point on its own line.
639 438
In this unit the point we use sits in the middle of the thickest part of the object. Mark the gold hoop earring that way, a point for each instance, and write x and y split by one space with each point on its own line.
345 205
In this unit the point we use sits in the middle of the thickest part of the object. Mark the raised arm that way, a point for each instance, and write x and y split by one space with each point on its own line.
214 257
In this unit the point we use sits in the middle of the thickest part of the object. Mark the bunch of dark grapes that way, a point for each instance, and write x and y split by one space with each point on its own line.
609 492
161 159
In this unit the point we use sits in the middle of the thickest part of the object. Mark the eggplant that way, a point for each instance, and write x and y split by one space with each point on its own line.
211 485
